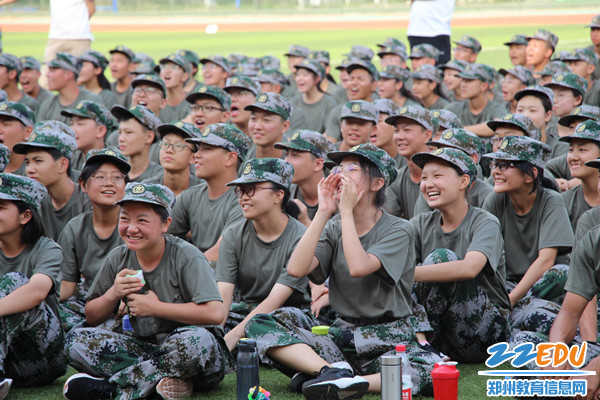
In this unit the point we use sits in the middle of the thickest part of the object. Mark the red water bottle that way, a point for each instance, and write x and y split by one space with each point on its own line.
445 381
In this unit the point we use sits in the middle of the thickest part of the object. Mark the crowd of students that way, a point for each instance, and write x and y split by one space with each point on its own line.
149 224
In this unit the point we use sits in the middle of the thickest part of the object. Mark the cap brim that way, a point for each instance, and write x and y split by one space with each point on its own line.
393 119
500 155
493 125
13 117
213 140
72 113
294 146
121 112
123 166
167 128
121 52
338 156
142 200
6 196
21 148
566 120
593 163
137 82
242 181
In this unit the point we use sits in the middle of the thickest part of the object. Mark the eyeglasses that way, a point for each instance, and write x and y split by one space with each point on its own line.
502 165
169 66
236 92
249 190
496 139
349 168
205 109
101 180
178 147
147 90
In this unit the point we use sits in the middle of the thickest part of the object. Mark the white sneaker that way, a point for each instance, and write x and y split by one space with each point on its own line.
5 388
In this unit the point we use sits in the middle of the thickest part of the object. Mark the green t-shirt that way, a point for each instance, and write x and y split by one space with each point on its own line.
333 123
385 293
54 220
255 266
77 160
476 196
558 148
592 96
400 161
108 98
182 276
174 113
150 172
43 95
491 111
295 193
439 104
84 257
43 256
340 95
479 231
545 225
402 195
596 74
123 98
576 204
29 102
559 168
584 271
205 218
297 121
50 109
586 222
316 113
194 180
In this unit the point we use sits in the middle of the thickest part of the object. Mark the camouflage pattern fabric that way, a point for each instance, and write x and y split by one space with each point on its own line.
151 80
418 114
554 67
273 76
18 111
469 42
425 50
143 115
190 56
269 62
583 111
312 66
372 153
272 102
136 366
464 320
569 81
178 60
461 139
243 82
456 157
219 60
545 35
517 39
446 119
360 52
297 51
4 157
95 57
321 56
521 73
477 71
395 72
428 72
522 148
311 141
457 65
125 51
396 50
151 193
265 170
363 64
360 109
213 91
11 62
48 139
94 111
22 188
28 62
31 342
67 62
519 121
226 136
392 41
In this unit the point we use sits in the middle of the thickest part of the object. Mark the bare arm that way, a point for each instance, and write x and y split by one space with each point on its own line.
452 271
543 263
481 130
67 289
6 2
91 6
27 296
564 327
212 254
588 322
226 292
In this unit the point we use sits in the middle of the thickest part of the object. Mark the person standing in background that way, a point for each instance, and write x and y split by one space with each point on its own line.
430 23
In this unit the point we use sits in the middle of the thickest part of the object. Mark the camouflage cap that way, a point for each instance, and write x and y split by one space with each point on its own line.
399 51
361 52
126 51
588 130
521 73
4 157
455 156
149 193
273 76
561 55
226 136
425 50
537 91
54 125
477 71
150 80
190 56
428 72
517 39
28 62
183 129
522 148
235 59
312 66
446 119
243 82
545 35
178 60
418 114
595 22
146 68
310 141
363 64
11 62
48 139
344 63
142 58
3 95
247 69
297 51
569 81
18 111
219 60
458 65
585 54
395 72
382 160
439 256
272 102
555 67
95 57
212 91
583 111
461 139
386 106
266 169
67 62
391 41
360 109
108 155
519 121
22 188
321 56
269 62
93 111
469 42
143 115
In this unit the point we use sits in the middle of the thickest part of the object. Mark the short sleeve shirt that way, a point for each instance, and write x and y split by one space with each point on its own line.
123 98
296 193
194 180
491 111
317 113
182 276
50 109
576 204
586 222
476 196
205 218
174 113
386 293
153 170
559 168
545 225
402 195
255 266
54 220
584 271
479 231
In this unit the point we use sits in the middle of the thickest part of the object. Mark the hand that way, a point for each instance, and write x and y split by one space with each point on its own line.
233 337
125 285
316 291
303 216
563 184
122 309
350 195
593 381
142 305
317 305
327 192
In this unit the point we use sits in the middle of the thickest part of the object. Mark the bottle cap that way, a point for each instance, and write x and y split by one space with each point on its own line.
400 347
320 330
126 323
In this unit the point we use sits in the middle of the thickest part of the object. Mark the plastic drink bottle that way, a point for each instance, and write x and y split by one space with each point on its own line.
406 373
445 381
247 368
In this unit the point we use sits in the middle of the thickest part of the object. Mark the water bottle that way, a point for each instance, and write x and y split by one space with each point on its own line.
406 372
391 377
247 368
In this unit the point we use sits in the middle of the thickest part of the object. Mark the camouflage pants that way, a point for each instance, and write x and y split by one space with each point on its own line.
72 310
361 346
464 320
136 365
237 313
31 342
